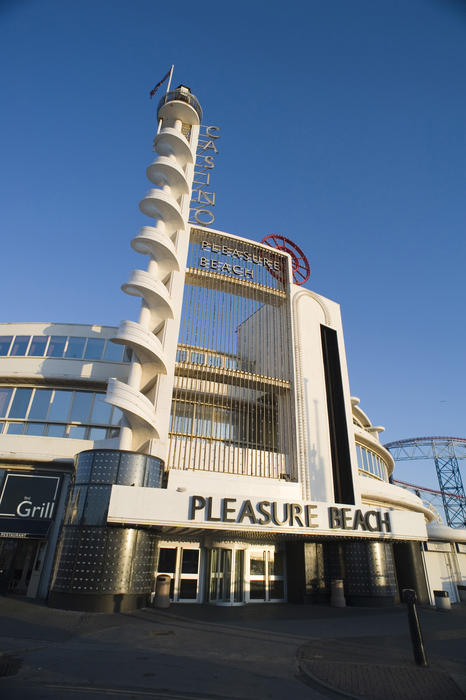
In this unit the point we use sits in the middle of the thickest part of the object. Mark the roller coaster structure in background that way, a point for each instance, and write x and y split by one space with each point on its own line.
446 453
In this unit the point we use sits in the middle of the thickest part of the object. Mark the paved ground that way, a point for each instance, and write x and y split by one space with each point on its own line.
255 652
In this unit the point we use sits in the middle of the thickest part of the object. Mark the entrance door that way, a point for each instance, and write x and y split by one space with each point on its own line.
226 573
220 575
266 576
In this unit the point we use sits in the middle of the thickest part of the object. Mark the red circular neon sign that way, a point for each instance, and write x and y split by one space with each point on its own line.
299 262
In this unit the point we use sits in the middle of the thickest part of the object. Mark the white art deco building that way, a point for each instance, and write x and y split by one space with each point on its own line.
213 440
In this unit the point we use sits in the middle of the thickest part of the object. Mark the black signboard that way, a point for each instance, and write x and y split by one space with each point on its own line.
18 528
27 497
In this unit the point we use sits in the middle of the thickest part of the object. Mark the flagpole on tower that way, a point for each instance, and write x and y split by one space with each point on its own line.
170 78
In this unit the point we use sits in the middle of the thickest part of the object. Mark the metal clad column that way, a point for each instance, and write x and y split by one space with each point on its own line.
101 568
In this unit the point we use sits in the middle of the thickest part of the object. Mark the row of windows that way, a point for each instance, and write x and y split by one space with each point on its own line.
202 358
370 462
79 432
252 424
57 405
71 347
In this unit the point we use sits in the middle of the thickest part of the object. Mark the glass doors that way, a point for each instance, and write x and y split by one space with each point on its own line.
226 575
266 568
181 563
230 573
247 575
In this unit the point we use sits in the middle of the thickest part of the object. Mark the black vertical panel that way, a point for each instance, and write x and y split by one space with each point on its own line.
410 570
341 461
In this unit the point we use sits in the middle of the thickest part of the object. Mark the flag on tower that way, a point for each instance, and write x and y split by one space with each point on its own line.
154 89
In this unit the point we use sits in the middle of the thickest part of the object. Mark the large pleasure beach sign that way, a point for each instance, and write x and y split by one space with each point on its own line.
163 507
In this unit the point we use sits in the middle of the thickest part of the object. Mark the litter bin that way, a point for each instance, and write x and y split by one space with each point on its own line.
442 600
162 591
337 599
461 593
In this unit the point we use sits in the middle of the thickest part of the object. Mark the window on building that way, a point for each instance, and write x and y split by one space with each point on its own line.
40 404
20 403
20 344
38 345
94 349
51 412
5 342
5 396
56 346
113 352
75 348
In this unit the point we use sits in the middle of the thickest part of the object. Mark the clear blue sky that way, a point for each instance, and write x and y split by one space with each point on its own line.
343 128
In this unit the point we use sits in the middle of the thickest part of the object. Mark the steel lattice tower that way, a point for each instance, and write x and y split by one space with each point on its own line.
446 453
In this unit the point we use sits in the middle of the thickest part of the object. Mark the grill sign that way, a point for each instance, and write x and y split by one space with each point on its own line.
29 496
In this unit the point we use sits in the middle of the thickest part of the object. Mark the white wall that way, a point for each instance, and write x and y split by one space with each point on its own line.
310 311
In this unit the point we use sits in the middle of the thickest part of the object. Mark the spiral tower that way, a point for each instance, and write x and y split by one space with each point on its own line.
146 396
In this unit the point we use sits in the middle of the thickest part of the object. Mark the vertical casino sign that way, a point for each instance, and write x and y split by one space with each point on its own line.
203 199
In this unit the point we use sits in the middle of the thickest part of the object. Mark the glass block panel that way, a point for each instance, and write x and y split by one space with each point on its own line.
35 428
132 469
154 472
20 344
38 345
60 407
113 352
188 589
101 411
95 510
76 507
75 348
181 355
167 560
190 561
105 467
40 404
83 467
56 346
20 403
5 342
5 396
94 349
81 406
